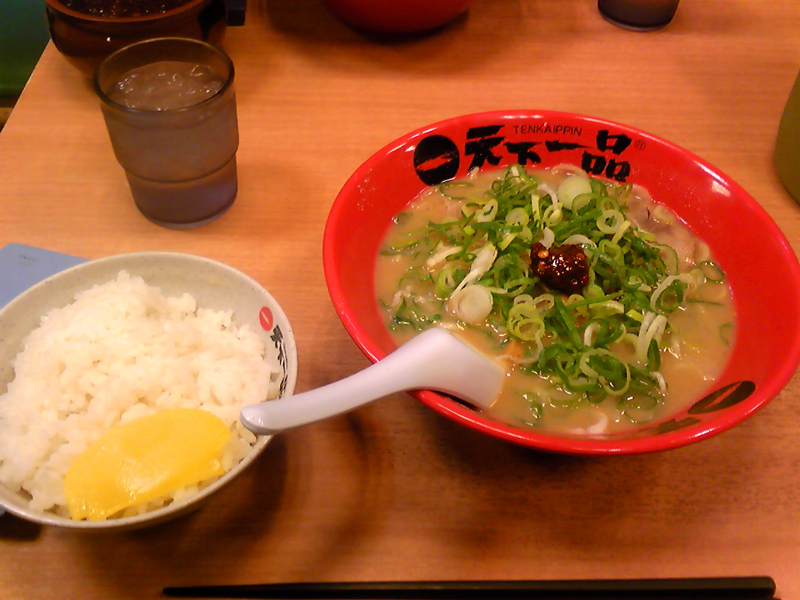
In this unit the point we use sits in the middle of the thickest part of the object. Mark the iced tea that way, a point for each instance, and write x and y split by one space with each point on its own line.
173 127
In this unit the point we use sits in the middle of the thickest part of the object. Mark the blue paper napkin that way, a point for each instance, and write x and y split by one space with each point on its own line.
23 266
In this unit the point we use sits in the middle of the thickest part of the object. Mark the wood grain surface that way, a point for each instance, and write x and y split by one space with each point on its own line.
394 491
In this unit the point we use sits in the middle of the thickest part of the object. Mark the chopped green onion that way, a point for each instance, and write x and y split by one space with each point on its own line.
479 267
712 271
445 189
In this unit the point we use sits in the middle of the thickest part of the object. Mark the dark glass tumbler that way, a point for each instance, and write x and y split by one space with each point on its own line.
638 15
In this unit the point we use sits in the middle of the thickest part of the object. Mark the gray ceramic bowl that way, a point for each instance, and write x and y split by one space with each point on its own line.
213 284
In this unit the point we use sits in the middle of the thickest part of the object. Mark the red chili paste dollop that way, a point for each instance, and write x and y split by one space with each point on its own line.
563 268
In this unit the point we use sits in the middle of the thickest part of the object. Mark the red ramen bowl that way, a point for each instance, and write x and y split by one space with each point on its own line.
714 207
409 16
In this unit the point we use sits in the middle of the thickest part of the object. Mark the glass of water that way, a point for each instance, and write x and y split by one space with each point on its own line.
170 109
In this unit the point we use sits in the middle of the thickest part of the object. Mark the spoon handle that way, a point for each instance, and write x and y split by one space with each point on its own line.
432 360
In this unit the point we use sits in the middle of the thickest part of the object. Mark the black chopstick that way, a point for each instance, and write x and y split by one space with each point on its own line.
708 588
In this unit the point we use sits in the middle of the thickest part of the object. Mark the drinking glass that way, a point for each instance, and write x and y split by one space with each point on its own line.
170 109
638 15
787 145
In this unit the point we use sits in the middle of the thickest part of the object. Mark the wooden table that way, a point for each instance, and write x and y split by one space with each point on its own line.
393 491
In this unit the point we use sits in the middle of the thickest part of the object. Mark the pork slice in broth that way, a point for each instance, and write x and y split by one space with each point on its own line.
662 222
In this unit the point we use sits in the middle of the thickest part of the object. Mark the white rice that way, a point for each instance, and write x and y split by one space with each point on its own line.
121 351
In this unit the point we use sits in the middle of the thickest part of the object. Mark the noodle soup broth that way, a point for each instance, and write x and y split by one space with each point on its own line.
634 340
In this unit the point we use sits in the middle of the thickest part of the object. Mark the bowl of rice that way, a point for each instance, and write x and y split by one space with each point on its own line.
121 338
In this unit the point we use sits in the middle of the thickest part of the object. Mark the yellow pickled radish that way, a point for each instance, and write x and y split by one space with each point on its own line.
144 460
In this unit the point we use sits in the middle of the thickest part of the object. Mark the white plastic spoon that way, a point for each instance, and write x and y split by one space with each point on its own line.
434 360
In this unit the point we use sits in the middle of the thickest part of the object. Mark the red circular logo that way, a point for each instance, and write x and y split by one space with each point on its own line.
266 318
